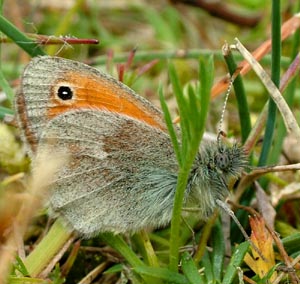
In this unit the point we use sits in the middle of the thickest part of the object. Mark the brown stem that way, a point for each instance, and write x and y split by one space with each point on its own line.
222 11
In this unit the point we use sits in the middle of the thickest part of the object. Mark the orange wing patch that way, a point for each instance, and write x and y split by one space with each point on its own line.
103 94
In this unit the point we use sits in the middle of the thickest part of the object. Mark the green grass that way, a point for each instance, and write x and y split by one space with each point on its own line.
192 251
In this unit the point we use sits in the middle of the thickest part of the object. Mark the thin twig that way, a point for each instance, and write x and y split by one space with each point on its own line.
287 115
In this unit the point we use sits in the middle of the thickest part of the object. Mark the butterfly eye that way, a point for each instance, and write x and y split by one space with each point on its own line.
222 161
65 93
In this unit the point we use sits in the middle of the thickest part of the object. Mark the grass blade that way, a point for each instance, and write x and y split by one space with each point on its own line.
19 38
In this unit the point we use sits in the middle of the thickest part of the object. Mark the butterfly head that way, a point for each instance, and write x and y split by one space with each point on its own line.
214 167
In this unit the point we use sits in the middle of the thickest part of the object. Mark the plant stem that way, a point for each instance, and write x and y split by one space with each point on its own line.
276 54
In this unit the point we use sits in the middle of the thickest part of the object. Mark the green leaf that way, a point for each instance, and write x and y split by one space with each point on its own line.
28 45
218 251
5 111
162 273
208 268
190 270
19 265
192 132
6 87
170 126
181 102
55 239
117 242
114 269
236 261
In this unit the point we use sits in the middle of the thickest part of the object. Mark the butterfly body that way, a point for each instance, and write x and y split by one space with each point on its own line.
122 170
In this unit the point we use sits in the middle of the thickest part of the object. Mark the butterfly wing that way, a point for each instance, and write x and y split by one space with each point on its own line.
121 176
52 86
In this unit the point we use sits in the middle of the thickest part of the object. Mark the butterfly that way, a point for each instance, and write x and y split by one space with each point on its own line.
122 171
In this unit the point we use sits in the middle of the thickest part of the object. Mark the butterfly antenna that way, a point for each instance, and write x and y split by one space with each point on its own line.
220 132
